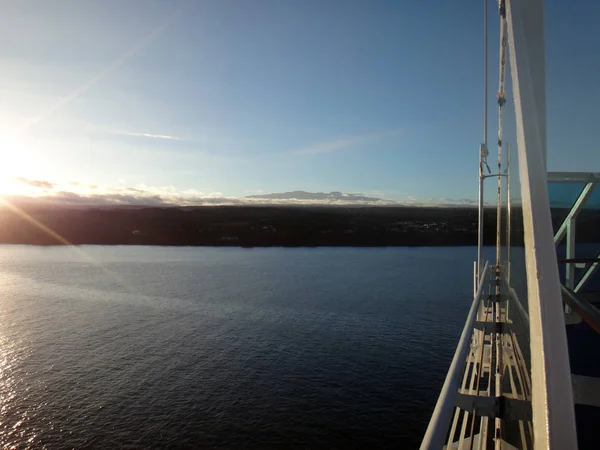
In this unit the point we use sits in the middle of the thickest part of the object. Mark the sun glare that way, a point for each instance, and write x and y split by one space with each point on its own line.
13 164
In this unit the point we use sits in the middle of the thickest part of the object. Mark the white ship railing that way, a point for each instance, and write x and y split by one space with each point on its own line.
549 397
585 310
435 436
568 227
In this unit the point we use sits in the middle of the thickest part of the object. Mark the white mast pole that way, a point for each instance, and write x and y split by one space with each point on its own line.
483 151
552 395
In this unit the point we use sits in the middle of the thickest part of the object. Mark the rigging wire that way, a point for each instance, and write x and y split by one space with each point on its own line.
483 149
485 73
496 352
501 102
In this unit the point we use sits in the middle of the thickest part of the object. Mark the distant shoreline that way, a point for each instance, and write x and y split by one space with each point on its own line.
240 246
260 226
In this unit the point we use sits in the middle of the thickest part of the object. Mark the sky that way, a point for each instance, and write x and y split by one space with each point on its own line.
212 99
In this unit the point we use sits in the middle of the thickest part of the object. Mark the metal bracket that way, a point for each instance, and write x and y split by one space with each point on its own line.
499 407
497 298
493 327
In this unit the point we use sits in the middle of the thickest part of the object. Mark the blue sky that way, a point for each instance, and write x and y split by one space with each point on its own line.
232 97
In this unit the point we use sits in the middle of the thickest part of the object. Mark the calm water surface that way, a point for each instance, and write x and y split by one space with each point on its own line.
150 347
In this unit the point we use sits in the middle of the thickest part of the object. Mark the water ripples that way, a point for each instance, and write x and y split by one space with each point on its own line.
222 348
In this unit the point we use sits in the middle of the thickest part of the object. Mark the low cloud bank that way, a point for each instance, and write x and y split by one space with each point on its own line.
46 192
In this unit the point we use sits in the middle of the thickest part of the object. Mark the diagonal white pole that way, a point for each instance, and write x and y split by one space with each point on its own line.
552 397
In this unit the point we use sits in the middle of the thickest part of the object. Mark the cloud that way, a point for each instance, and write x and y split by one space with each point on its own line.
329 146
440 202
82 194
214 195
40 184
66 198
155 198
152 136
169 196
341 143
330 197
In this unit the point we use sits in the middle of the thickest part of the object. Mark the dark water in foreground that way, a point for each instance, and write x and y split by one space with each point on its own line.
137 347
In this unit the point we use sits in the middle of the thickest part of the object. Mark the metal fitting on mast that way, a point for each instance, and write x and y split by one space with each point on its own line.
502 8
483 151
501 99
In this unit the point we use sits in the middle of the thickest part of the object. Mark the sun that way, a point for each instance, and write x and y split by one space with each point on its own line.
14 164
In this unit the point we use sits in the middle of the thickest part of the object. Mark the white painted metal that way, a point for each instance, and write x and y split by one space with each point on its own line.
573 177
483 152
499 212
528 66
495 356
474 278
494 175
485 73
583 197
587 275
483 148
570 270
435 435
552 397
570 267
501 96
583 308
568 229
586 390
515 301
497 365
508 206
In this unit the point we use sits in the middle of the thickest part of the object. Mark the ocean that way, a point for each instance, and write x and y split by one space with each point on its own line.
162 347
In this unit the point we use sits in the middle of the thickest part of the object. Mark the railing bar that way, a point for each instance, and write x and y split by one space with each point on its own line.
463 389
584 309
513 295
475 377
524 373
461 439
579 260
485 423
483 432
518 363
523 438
513 386
453 429
573 177
472 374
589 273
586 192
479 374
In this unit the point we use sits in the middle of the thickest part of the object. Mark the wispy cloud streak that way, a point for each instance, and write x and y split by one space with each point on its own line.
40 184
341 143
329 146
153 136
